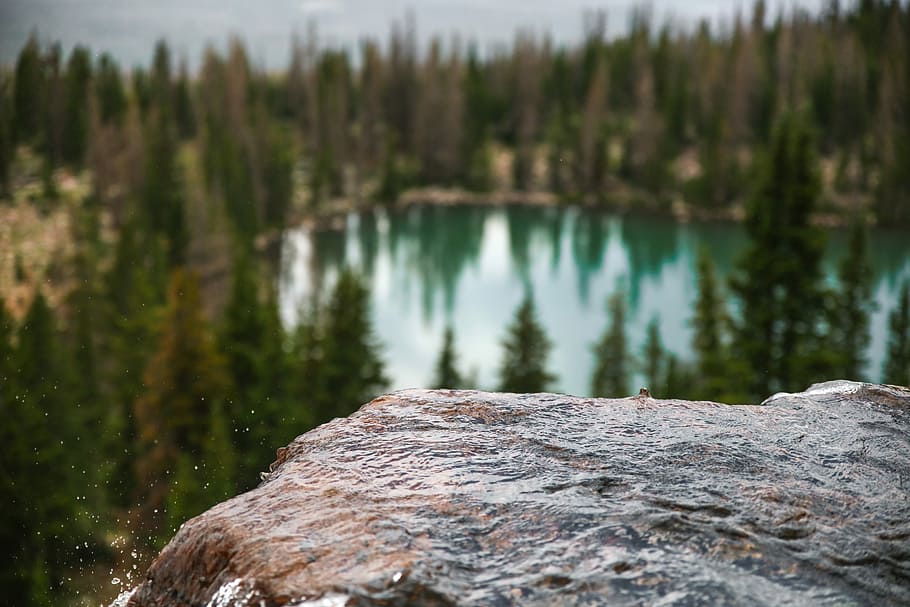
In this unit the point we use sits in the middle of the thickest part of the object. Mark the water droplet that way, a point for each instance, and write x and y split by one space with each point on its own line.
115 581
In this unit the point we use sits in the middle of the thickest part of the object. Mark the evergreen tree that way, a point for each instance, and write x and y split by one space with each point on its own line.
352 369
716 375
252 340
779 283
897 365
185 380
162 188
526 348
76 108
28 93
447 375
111 98
18 569
655 359
46 430
611 356
853 305
7 145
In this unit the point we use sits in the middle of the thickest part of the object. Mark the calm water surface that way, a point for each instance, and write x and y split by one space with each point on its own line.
471 266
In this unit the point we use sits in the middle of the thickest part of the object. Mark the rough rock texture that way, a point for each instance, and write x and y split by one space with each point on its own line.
472 498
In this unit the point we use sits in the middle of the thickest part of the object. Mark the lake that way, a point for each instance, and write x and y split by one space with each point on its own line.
470 266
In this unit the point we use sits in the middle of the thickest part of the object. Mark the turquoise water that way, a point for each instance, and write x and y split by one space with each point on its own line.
430 266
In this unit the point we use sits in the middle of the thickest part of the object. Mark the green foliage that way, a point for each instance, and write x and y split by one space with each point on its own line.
44 429
611 356
853 303
162 192
718 375
7 144
252 340
109 94
655 359
897 365
76 106
352 369
185 380
447 374
526 348
779 282
28 93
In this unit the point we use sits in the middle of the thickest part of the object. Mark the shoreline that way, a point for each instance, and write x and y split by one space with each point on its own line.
329 215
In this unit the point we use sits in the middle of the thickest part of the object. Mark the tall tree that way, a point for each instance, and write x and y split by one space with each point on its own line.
28 93
654 358
252 341
713 365
897 365
184 381
76 105
526 348
611 356
779 280
353 371
853 305
447 374
47 430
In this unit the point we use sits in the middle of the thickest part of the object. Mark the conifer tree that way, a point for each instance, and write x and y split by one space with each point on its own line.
16 524
252 341
779 282
7 145
897 365
47 431
352 368
611 356
76 106
28 93
655 358
184 380
714 366
853 305
111 98
526 348
162 188
447 374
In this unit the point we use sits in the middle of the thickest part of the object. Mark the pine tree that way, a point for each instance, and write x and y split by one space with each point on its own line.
779 283
447 375
76 106
526 348
655 359
853 305
28 93
47 430
353 370
897 365
611 357
162 188
7 146
714 368
111 98
252 341
184 380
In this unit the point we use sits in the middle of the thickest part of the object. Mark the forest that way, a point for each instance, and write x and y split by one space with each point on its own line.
145 373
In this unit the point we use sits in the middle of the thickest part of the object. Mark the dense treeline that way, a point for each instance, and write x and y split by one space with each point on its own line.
659 117
163 379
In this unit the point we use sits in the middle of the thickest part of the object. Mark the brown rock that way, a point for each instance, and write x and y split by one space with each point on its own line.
471 498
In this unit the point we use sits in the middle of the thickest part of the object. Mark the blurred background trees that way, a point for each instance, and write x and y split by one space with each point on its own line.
164 376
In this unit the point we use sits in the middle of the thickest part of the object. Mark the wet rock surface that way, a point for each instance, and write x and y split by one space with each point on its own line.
472 498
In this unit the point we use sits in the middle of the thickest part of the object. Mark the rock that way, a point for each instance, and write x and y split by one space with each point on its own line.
472 498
